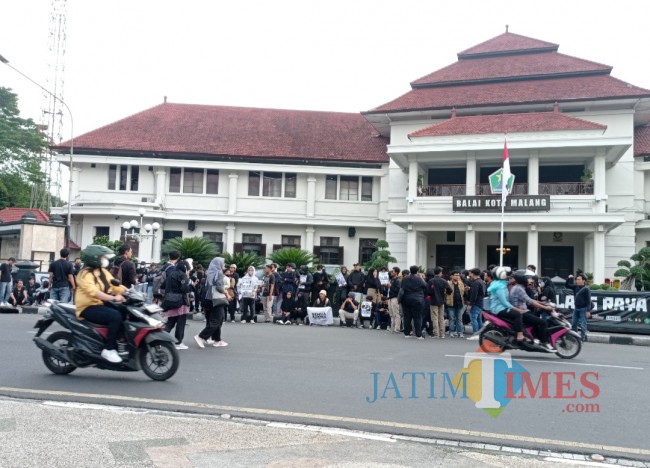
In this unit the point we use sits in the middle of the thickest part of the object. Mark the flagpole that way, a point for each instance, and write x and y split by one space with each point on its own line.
501 240
505 177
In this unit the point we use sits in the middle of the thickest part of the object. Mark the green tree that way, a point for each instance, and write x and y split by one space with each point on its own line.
199 249
243 261
637 274
288 255
106 242
21 144
381 257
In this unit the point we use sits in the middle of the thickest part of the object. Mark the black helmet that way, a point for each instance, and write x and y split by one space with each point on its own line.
92 255
521 276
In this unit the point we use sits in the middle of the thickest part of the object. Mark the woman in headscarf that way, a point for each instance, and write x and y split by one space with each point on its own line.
214 309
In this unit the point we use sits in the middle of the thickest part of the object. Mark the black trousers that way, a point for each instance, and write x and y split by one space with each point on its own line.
105 316
514 317
540 327
412 313
247 309
177 321
232 308
214 319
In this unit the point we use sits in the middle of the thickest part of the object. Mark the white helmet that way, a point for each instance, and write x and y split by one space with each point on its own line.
500 272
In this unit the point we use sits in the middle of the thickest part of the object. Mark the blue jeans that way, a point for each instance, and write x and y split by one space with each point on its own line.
456 320
149 295
60 294
580 315
475 315
5 291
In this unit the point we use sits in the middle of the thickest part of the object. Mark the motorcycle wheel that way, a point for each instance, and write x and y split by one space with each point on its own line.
159 361
487 345
60 339
568 346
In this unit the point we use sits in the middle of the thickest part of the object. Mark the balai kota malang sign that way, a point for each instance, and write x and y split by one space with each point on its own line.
482 204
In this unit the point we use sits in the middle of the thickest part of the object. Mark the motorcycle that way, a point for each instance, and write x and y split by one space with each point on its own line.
498 335
142 344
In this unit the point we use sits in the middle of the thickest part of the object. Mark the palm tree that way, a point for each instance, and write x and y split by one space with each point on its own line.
637 275
298 257
199 249
243 260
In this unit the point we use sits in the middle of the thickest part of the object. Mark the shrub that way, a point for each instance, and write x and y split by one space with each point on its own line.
298 257
199 249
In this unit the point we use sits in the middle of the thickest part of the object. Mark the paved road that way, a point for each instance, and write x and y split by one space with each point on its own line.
325 376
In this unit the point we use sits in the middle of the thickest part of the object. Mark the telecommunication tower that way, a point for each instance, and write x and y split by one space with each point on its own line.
52 114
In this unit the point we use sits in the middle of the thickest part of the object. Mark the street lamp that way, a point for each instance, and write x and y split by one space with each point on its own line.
150 230
69 221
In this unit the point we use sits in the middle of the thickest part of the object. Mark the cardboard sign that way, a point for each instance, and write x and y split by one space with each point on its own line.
366 309
383 277
340 280
320 315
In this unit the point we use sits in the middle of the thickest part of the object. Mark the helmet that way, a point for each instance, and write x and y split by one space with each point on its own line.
521 276
92 255
500 272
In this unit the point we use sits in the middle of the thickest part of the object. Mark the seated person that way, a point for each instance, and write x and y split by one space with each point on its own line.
287 309
31 290
322 300
18 297
43 293
381 314
349 310
367 309
300 311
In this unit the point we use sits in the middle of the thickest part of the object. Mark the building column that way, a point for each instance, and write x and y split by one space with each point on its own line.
411 245
533 174
76 176
413 180
232 194
157 246
470 176
588 264
309 239
599 255
600 179
532 252
470 247
230 238
160 186
311 196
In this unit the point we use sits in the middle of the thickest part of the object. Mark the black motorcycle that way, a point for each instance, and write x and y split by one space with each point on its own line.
142 344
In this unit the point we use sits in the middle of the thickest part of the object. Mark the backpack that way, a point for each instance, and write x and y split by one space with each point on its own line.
116 271
159 281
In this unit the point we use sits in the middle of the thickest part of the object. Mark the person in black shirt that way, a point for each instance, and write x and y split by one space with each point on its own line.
18 295
125 268
5 280
32 288
476 295
414 291
61 278
77 266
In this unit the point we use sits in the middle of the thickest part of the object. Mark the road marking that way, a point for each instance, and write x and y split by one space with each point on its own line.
341 419
557 362
579 462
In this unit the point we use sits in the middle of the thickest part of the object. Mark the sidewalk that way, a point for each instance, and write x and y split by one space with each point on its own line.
107 436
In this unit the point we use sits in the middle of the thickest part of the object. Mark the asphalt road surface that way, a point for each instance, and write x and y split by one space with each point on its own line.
327 376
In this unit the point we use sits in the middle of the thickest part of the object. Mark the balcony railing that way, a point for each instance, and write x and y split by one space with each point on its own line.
567 188
556 188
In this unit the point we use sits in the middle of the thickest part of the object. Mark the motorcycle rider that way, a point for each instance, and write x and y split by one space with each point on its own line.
93 289
521 300
499 303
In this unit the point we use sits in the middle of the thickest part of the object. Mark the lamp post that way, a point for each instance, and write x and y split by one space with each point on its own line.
150 230
68 226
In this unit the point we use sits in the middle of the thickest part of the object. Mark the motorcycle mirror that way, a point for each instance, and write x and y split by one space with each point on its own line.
115 282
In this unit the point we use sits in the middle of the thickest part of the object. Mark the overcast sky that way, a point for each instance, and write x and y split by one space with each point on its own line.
123 56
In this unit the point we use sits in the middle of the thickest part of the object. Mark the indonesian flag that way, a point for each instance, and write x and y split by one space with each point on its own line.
505 176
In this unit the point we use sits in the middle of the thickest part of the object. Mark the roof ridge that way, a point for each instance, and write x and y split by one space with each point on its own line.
493 46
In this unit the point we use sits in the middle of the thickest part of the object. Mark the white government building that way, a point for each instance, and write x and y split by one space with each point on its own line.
413 171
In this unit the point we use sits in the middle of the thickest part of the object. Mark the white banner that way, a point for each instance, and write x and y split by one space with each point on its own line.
383 277
366 309
340 280
320 315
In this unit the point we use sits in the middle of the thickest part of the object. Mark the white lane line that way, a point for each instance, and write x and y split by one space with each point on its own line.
578 462
392 425
557 362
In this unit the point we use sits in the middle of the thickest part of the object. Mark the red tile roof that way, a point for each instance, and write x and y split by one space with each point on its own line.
580 88
507 42
189 129
10 215
508 66
642 140
508 123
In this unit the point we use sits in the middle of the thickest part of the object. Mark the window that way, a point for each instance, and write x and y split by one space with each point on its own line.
212 181
252 243
135 178
291 241
329 252
129 232
193 180
101 231
366 249
254 184
330 187
217 238
124 171
167 235
112 175
347 188
175 179
272 184
366 189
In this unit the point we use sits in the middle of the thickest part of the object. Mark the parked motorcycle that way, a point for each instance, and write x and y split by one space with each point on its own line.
142 344
498 335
